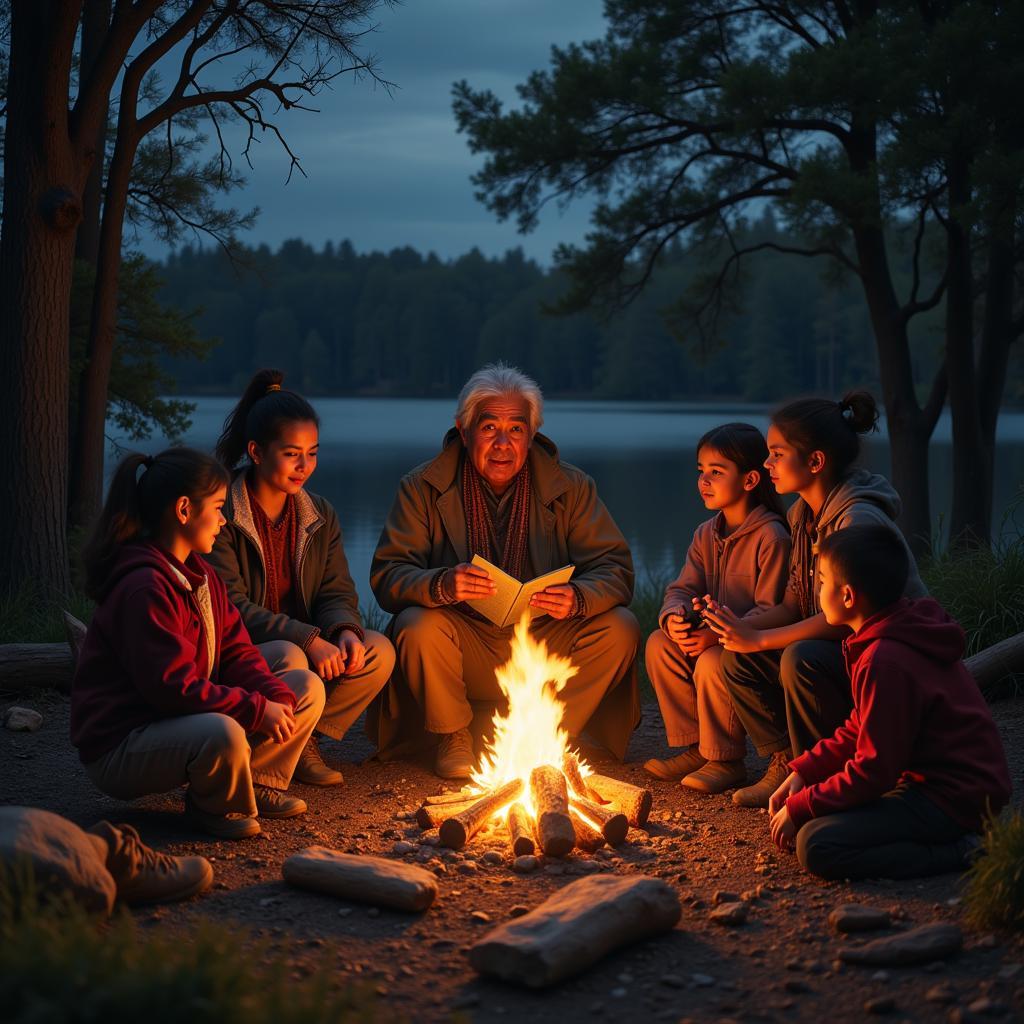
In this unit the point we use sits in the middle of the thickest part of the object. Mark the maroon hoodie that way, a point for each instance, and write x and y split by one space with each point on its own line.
165 641
918 717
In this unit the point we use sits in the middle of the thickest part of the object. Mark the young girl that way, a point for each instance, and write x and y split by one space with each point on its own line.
784 668
739 557
281 558
169 689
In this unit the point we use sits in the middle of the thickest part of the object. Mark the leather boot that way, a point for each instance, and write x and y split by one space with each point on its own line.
675 767
455 755
312 770
760 793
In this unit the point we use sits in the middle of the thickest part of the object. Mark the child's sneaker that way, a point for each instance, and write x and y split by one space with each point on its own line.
717 777
275 803
775 775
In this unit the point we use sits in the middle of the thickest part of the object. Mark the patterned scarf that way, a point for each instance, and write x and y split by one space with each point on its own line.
482 538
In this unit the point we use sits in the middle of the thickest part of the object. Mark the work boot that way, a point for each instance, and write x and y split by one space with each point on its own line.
675 767
312 770
275 803
775 774
145 876
717 777
455 756
223 826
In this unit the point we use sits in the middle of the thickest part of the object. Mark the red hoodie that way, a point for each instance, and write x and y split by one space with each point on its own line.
149 655
918 716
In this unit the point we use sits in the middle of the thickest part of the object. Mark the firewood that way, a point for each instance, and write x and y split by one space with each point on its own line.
573 775
575 927
996 662
373 880
555 831
451 798
434 815
633 801
614 824
459 829
520 829
588 838
26 666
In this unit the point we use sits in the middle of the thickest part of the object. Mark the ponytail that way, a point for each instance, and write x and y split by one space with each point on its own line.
259 415
136 504
745 446
835 428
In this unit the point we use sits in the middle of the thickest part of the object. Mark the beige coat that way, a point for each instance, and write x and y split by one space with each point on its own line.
747 570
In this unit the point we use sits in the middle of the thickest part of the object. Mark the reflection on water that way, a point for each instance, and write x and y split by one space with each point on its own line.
641 455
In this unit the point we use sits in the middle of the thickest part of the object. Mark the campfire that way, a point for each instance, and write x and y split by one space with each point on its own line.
547 796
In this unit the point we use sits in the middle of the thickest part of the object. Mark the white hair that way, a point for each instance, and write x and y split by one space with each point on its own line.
498 380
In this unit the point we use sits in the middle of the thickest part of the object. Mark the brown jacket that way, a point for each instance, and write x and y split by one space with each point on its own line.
569 525
321 571
746 570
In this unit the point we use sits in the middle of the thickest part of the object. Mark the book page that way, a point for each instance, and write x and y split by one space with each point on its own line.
496 608
534 586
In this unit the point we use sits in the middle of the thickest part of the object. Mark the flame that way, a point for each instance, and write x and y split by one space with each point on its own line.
530 734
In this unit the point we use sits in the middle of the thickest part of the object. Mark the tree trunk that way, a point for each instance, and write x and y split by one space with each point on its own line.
42 208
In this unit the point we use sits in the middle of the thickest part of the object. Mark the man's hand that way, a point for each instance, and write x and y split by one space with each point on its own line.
733 633
353 651
790 785
468 582
783 829
559 601
326 659
278 721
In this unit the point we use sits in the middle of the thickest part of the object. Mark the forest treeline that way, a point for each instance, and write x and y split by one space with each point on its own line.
404 323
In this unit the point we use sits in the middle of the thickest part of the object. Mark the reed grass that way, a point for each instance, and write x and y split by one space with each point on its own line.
994 895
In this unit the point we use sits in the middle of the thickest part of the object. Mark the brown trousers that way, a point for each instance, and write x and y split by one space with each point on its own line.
694 700
448 659
211 752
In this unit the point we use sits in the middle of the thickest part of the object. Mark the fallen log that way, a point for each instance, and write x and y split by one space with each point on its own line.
555 833
460 828
996 662
434 815
373 880
27 666
450 798
575 927
588 838
520 830
633 801
572 773
614 824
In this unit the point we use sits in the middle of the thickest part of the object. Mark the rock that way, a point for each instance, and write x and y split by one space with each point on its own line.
855 917
917 946
702 980
402 847
730 913
365 879
491 857
518 910
672 981
588 865
525 864
1008 971
721 897
881 1004
983 1006
943 994
575 927
481 917
468 867
22 719
63 858
880 976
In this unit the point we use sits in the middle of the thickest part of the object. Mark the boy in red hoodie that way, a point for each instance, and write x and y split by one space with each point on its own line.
901 789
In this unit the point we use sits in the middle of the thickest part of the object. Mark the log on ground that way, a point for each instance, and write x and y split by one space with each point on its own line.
574 776
28 666
460 828
633 801
1003 659
588 838
614 824
576 927
434 815
373 880
555 833
451 798
520 830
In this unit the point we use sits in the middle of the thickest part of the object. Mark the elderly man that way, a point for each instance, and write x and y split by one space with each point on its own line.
499 489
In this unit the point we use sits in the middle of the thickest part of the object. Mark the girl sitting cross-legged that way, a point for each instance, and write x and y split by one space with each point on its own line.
169 690
740 557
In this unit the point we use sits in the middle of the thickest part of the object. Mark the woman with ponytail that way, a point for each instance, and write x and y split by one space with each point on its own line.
282 560
784 667
169 689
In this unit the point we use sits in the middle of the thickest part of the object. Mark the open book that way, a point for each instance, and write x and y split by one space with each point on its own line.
506 607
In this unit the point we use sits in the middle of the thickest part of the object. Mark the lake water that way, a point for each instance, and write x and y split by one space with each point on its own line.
640 454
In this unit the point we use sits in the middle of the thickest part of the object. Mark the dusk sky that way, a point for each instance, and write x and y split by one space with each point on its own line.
391 170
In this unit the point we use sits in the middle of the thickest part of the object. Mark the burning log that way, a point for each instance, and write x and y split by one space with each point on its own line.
588 838
571 770
520 829
633 801
450 798
614 824
434 815
555 831
460 828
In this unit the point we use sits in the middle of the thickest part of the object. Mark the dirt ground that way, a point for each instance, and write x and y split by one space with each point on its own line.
779 966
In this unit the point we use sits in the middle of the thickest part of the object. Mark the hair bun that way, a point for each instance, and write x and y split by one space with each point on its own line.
860 411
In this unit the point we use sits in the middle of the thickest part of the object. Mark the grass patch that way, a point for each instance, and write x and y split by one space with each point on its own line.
648 595
994 897
59 964
29 615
